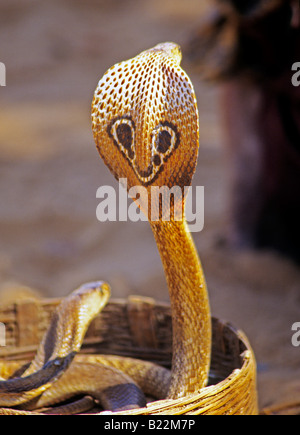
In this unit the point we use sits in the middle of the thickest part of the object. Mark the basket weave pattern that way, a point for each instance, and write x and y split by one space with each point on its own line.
141 328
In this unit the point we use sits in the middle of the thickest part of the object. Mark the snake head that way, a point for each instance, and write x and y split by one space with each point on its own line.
93 296
145 120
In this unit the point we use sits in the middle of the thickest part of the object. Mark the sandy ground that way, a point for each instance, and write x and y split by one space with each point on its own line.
55 52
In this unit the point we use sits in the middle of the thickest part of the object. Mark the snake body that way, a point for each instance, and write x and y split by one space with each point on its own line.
59 345
145 125
57 372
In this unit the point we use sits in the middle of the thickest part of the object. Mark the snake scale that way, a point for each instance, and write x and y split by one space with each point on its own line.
145 125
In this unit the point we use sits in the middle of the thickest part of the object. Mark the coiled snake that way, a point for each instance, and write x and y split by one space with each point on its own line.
145 125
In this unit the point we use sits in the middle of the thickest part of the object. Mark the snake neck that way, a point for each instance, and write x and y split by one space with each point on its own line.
191 320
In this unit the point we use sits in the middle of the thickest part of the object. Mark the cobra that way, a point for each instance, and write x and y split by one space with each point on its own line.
145 125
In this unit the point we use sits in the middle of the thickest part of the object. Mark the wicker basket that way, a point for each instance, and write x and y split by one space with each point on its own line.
141 328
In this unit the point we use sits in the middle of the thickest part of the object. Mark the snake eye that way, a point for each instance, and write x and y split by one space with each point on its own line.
165 139
121 130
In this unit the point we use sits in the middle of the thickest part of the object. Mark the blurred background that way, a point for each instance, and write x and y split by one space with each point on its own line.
55 53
